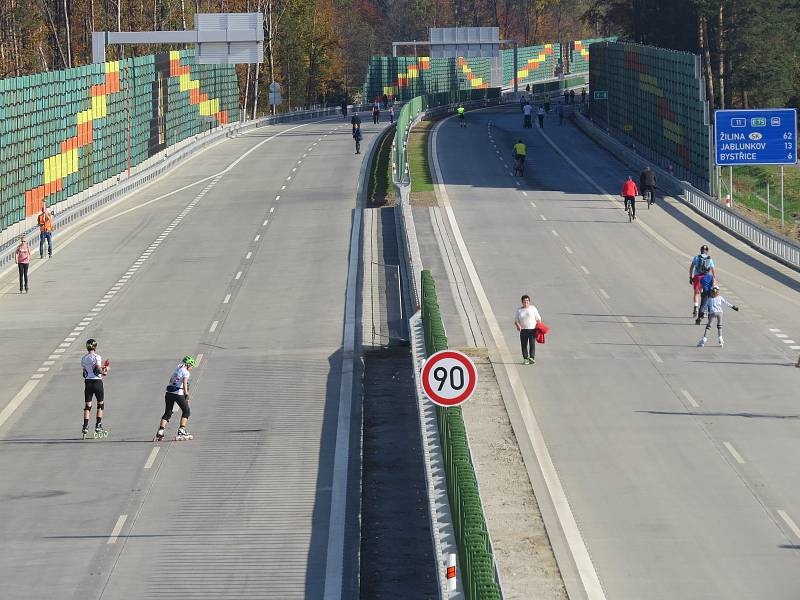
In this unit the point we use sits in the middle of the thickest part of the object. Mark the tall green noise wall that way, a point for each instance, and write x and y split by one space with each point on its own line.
402 78
63 131
534 63
656 102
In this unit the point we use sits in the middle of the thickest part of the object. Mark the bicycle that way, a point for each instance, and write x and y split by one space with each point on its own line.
629 210
519 165
649 197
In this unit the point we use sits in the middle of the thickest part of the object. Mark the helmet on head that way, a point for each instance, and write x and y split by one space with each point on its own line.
703 249
188 361
91 344
715 288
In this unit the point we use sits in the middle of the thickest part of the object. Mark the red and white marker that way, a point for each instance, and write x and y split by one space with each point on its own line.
451 573
449 378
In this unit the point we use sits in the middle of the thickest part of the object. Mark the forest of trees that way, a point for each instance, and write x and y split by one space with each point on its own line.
750 48
318 49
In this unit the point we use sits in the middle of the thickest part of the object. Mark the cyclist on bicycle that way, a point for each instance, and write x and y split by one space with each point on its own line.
460 111
629 192
647 183
519 156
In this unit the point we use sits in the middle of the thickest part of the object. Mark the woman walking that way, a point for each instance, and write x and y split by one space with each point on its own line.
23 259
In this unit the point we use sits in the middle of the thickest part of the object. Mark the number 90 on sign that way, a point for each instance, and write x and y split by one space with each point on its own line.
449 378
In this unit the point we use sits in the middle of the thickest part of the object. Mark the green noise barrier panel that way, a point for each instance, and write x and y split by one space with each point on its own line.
416 105
401 78
472 538
656 104
62 132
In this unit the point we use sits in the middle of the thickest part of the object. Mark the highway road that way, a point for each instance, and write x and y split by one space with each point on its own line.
678 463
239 257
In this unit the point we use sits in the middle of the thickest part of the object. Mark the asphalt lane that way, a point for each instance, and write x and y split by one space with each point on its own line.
247 269
676 460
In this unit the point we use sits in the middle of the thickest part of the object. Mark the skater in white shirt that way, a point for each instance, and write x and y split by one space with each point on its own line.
713 305
526 319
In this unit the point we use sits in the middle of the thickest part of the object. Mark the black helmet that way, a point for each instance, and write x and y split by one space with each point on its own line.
91 344
703 249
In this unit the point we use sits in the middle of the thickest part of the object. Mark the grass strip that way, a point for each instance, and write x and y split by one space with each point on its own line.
421 180
381 189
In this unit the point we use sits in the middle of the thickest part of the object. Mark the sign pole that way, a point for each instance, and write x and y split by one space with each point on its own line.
730 183
768 200
782 222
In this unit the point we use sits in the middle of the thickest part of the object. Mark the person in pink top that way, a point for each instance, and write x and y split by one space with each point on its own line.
23 258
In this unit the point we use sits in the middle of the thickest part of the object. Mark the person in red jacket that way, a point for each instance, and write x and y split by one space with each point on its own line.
629 192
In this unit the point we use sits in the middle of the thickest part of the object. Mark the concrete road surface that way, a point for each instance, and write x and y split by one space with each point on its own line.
245 268
679 463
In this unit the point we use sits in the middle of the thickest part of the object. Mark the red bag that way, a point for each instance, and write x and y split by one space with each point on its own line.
541 330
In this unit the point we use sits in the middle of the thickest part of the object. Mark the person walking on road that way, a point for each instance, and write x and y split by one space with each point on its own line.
629 192
22 256
358 137
344 108
355 121
540 115
391 114
560 113
714 304
177 393
698 268
572 96
376 113
45 232
527 110
583 96
526 320
93 369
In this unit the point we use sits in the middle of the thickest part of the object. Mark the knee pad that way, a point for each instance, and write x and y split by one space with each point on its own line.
185 413
88 406
101 405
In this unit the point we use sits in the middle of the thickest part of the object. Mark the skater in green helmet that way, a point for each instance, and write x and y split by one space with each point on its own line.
93 369
177 393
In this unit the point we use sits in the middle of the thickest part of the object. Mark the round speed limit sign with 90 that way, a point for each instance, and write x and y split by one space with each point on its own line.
449 378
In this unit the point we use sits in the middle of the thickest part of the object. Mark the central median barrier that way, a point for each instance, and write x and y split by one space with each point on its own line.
457 518
478 574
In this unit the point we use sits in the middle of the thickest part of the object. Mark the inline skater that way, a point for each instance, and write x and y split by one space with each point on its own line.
460 110
701 265
177 393
93 369
519 157
629 192
647 183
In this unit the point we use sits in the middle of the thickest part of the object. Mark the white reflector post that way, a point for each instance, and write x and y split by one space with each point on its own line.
451 573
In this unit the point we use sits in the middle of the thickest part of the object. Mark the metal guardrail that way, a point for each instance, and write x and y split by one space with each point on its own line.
757 236
126 185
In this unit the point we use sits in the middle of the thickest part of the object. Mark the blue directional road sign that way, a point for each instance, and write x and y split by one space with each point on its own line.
756 137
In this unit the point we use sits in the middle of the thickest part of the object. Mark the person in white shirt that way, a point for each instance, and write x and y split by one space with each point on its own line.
526 319
527 110
177 393
93 370
714 304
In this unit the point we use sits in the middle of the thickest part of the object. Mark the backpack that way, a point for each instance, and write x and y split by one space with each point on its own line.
703 264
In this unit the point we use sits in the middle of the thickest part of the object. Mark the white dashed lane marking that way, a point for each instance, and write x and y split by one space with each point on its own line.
690 399
152 458
736 456
117 529
604 293
788 520
213 327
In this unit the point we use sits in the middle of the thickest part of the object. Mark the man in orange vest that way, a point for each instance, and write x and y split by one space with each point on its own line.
45 232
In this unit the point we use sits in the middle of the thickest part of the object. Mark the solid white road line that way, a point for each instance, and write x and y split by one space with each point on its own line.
338 512
569 526
117 529
655 355
213 327
734 453
788 520
17 400
152 458
690 399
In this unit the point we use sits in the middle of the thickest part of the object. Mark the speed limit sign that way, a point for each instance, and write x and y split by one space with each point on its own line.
449 378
